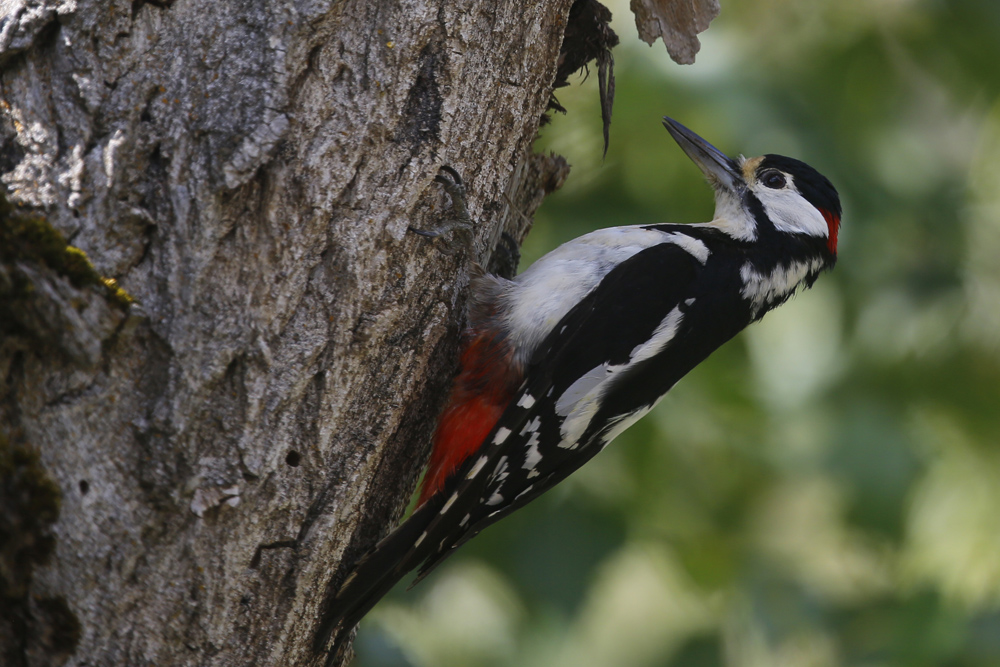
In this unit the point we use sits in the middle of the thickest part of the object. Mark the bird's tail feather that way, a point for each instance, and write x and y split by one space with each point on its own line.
374 576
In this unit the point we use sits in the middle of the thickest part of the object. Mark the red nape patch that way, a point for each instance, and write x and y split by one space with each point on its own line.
833 225
480 394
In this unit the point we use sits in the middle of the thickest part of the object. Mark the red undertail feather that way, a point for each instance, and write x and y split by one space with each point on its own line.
833 225
485 385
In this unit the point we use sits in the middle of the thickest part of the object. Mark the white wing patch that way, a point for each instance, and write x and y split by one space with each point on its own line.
500 472
447 505
663 334
695 247
581 400
761 289
533 457
532 426
476 468
593 378
583 386
526 401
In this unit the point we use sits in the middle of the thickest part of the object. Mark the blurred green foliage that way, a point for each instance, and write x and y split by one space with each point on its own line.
825 489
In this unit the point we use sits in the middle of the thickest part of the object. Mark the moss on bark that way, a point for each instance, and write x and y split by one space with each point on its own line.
28 237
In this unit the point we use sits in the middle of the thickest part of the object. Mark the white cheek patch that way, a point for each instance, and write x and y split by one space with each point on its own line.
791 212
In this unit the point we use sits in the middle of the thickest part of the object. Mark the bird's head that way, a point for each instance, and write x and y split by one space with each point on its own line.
761 195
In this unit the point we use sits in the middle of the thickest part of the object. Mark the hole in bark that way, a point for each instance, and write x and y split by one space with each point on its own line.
293 459
84 487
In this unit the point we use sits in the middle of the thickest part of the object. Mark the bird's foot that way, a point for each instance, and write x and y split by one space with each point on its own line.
461 224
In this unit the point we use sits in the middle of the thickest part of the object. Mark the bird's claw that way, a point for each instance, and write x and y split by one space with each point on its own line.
450 179
453 184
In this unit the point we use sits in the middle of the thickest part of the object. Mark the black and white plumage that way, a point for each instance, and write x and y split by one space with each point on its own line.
582 344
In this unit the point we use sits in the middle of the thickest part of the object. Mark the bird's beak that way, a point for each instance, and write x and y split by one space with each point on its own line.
721 170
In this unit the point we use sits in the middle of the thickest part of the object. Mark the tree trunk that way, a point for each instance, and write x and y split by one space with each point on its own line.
187 460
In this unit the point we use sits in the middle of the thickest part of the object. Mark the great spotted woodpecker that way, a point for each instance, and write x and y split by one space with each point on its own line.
563 358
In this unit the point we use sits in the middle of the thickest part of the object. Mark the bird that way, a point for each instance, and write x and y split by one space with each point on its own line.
558 361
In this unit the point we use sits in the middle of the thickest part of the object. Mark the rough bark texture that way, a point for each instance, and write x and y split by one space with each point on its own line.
247 172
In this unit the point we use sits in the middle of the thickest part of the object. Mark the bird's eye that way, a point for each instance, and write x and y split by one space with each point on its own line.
774 180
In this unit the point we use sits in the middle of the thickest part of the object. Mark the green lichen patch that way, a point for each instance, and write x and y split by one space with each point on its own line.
29 237
117 293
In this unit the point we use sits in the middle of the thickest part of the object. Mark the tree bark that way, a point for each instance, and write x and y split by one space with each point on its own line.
186 461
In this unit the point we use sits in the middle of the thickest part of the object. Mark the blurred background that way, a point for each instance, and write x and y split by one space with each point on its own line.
825 489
